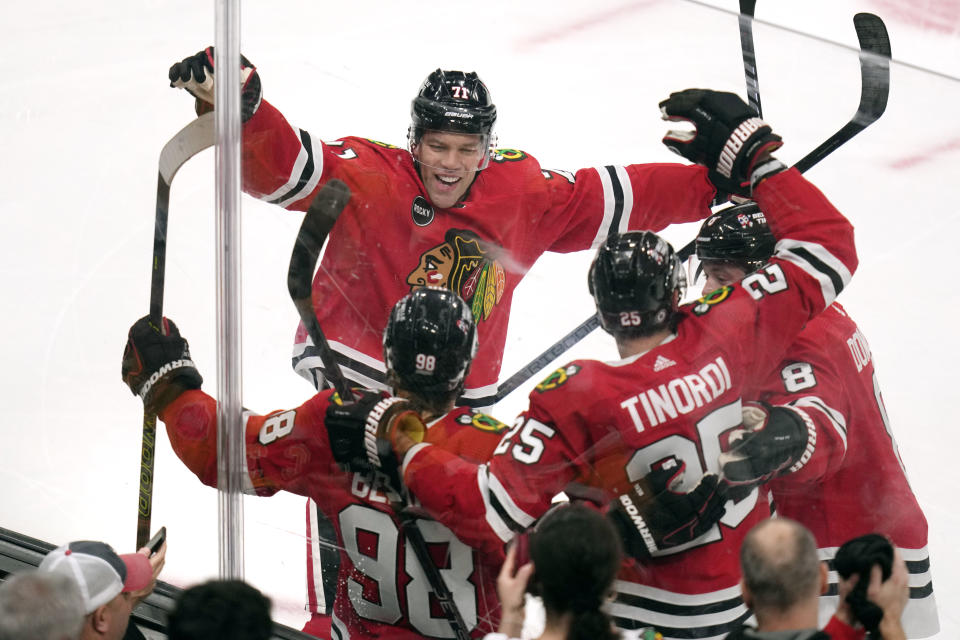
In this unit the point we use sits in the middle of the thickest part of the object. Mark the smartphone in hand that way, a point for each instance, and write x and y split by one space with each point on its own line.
157 540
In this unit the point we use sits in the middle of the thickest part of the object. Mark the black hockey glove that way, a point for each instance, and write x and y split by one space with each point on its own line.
653 516
773 442
195 74
730 140
361 434
156 363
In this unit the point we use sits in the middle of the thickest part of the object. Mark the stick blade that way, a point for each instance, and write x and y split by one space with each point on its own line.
874 67
317 223
200 134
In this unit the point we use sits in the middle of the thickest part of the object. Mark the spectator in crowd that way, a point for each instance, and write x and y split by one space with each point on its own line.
40 606
783 578
574 554
220 610
111 585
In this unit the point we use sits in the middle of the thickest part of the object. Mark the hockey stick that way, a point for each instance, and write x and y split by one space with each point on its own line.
408 523
874 90
188 142
747 8
317 223
874 86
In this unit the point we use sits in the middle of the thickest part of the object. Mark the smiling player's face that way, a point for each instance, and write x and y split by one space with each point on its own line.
448 164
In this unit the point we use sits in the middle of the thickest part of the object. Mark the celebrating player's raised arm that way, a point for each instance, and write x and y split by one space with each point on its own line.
429 343
675 395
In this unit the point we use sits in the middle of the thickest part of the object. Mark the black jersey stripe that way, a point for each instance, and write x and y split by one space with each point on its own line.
916 593
475 403
617 199
719 629
304 175
925 591
913 566
512 524
674 609
346 362
820 266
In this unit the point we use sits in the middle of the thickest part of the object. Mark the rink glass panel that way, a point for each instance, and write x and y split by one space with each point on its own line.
87 112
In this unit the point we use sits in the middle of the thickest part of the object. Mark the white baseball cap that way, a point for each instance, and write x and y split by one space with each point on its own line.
100 573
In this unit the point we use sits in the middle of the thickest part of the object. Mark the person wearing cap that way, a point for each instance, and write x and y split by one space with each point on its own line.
40 606
111 585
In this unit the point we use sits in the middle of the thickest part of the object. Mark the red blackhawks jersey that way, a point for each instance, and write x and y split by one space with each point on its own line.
390 238
608 424
854 482
382 590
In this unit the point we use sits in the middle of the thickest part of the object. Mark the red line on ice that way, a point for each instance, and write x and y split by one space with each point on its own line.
587 22
912 161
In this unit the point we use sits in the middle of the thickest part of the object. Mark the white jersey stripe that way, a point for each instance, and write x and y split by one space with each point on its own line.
792 250
834 417
609 205
411 452
338 629
493 518
627 198
682 599
662 621
909 555
316 151
247 481
295 171
315 560
514 512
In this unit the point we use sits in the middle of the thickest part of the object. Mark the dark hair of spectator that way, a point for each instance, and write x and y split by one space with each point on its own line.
576 554
220 610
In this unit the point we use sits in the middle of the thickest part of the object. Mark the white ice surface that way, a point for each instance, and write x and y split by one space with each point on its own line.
85 110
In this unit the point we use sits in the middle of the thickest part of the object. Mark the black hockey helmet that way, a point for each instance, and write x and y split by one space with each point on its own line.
453 101
430 342
636 282
739 235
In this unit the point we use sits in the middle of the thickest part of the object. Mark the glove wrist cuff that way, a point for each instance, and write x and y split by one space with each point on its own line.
631 512
764 170
381 414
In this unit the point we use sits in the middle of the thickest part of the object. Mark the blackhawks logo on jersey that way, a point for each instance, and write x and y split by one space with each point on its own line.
465 264
481 421
508 155
706 303
558 378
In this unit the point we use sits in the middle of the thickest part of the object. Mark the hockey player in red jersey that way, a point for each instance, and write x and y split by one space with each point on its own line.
848 478
672 399
450 210
382 589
